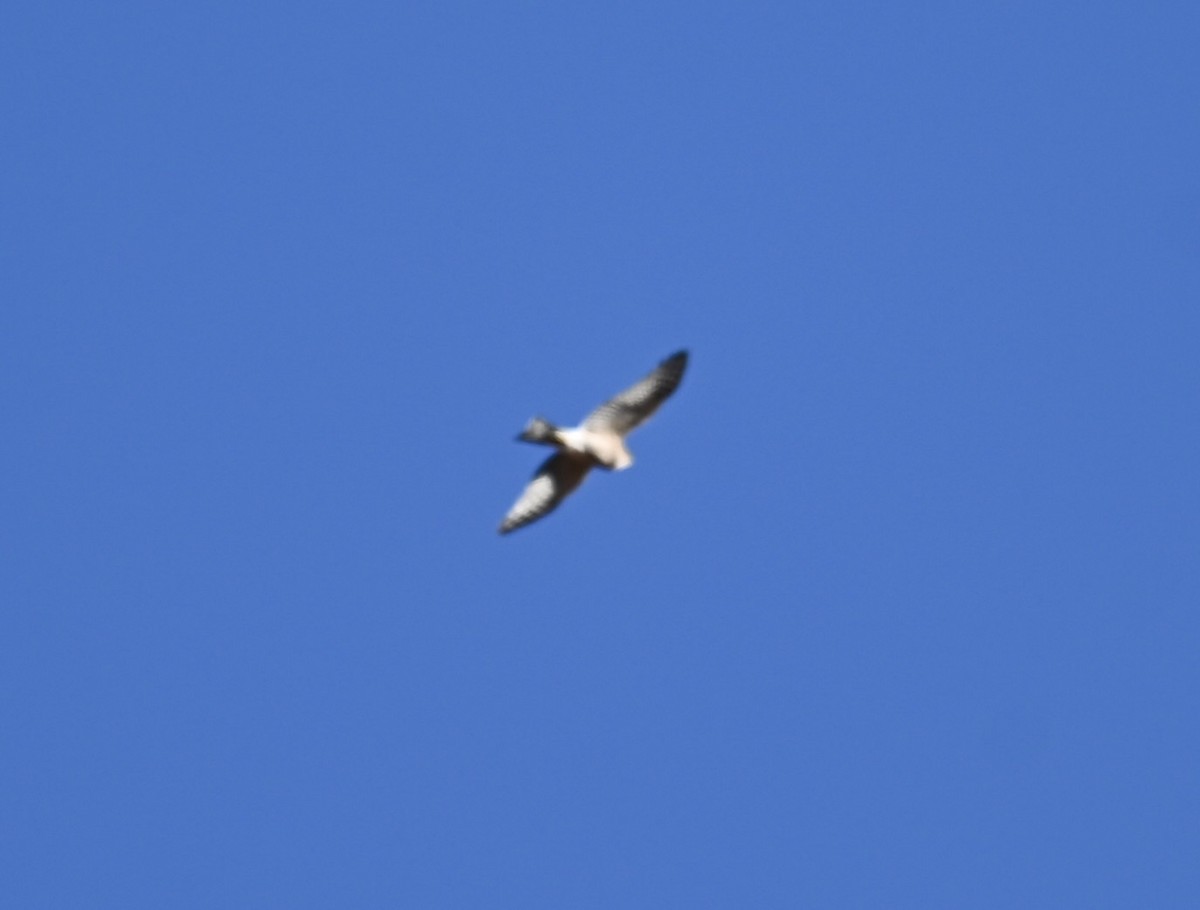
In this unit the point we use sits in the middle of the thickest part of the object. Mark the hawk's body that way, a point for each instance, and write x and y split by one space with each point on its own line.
597 442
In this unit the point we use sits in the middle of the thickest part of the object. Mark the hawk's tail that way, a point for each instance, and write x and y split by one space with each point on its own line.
539 430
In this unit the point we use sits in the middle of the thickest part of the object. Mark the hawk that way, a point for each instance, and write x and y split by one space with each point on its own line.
597 442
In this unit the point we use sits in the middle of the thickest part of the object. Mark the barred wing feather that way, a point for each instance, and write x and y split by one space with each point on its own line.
624 412
557 477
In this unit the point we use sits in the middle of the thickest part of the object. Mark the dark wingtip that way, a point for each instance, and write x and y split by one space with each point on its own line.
677 362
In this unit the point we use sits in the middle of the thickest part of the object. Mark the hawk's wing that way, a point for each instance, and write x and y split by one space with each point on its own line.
624 412
558 476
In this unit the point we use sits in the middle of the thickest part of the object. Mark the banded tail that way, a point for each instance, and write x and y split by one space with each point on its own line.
541 431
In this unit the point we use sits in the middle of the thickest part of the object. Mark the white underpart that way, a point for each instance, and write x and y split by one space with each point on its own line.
608 449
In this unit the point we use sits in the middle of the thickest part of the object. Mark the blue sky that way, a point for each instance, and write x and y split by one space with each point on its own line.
898 607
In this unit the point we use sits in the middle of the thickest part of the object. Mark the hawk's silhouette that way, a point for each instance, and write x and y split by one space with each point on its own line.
597 442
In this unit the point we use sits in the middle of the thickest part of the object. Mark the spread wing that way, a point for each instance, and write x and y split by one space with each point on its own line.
624 412
558 476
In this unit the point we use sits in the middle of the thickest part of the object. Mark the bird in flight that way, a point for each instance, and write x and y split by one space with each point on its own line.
597 442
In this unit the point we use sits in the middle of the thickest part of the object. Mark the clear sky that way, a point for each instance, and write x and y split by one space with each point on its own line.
897 608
